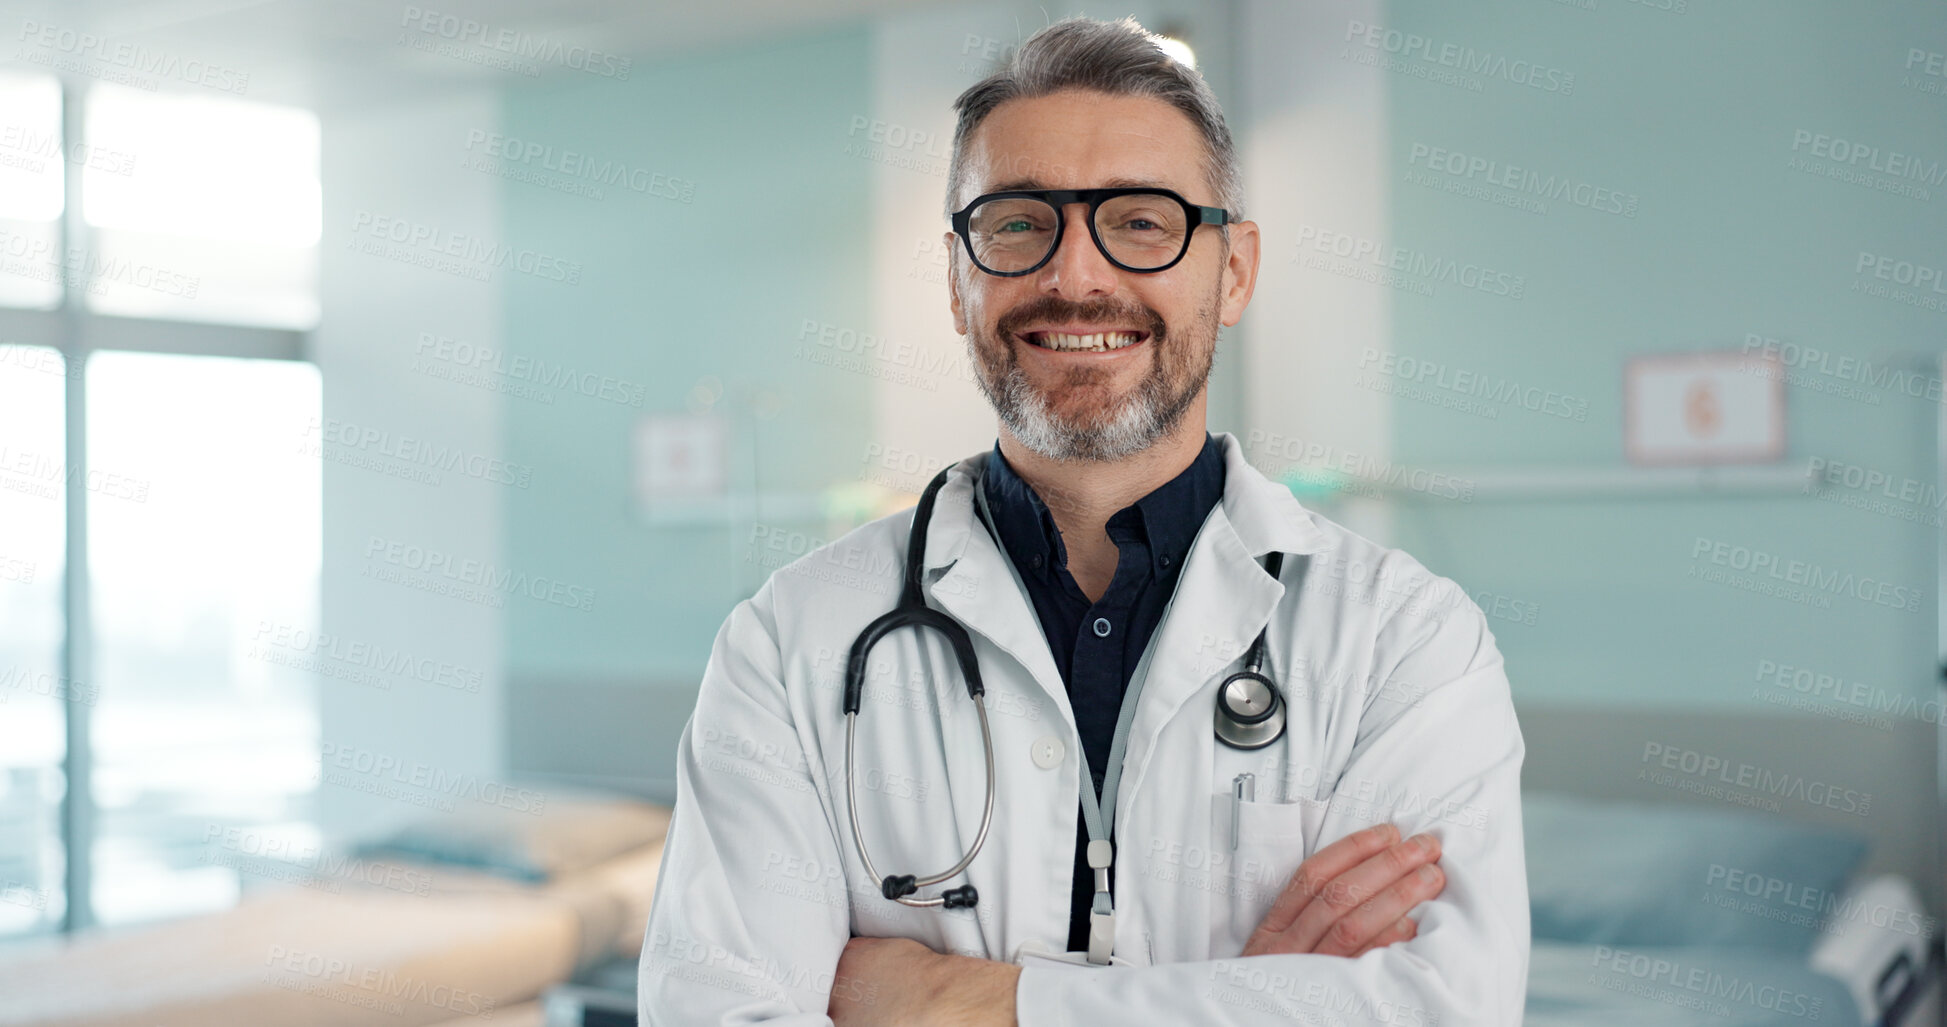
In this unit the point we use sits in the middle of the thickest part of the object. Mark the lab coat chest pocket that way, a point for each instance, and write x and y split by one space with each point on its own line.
1272 840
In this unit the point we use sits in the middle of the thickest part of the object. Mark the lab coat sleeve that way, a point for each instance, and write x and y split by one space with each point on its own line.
1438 750
750 912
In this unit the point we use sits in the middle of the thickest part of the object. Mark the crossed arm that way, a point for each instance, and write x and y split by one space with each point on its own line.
1350 897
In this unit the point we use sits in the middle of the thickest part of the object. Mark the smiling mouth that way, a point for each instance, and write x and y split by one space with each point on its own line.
1099 342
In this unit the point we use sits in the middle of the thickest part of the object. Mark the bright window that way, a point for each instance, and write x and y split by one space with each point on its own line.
32 162
205 538
32 553
202 208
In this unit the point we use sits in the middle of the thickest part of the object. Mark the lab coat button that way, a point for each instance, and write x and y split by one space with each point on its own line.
1047 752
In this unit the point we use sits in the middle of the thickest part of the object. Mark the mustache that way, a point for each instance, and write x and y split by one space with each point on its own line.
1058 310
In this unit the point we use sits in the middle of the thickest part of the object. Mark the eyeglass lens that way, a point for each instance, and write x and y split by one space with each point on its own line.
1139 230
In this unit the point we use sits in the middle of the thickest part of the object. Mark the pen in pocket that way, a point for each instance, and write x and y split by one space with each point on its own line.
1243 789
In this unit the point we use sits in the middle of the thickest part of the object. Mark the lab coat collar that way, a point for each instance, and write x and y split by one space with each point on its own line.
1226 590
1263 513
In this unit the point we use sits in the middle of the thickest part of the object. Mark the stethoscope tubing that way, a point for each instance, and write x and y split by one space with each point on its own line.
911 611
986 814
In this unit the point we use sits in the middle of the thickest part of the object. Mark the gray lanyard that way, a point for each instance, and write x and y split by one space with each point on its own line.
1097 814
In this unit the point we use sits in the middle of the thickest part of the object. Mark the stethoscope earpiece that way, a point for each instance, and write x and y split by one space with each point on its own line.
963 897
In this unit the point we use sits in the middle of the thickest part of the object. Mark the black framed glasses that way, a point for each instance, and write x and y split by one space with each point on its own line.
1142 228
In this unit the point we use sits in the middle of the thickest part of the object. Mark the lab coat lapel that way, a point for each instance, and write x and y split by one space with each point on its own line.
1223 598
979 588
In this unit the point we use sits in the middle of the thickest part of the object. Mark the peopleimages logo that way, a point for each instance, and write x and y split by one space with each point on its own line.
1900 272
329 431
1826 371
1873 482
515 43
1891 163
1413 46
1526 181
1709 990
1806 577
427 245
1355 254
1435 374
1299 455
487 366
132 57
1873 705
366 764
574 164
465 577
1716 771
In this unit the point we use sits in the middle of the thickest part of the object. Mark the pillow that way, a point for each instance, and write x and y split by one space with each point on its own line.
534 841
1634 873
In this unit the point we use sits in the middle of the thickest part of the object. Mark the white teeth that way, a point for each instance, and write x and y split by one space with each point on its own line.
1099 342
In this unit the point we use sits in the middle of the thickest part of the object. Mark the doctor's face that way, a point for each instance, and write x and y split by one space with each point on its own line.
1096 405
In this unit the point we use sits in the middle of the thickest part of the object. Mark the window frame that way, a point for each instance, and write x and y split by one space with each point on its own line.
75 332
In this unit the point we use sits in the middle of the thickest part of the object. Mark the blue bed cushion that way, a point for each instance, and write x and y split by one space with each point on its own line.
1598 986
1632 873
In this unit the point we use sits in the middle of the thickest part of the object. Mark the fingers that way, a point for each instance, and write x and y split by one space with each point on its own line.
1313 875
1341 914
1404 929
1370 897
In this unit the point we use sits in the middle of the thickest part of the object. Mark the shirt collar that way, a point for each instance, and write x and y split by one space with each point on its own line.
1168 517
1260 515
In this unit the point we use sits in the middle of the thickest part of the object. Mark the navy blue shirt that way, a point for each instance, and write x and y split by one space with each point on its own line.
1096 645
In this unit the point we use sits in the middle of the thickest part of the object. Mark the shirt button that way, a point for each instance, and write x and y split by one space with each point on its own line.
1101 627
1166 561
1036 562
1047 752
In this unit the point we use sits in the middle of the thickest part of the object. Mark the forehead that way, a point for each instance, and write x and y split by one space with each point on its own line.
1079 139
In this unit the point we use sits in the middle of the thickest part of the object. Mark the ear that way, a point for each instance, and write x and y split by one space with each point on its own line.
953 284
1240 271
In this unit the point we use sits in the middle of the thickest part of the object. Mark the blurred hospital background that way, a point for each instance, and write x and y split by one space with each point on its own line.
395 399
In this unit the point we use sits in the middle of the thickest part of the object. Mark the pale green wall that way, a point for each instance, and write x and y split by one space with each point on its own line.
671 293
1696 113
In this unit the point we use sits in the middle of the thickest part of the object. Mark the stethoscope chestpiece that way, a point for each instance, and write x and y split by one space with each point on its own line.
1250 714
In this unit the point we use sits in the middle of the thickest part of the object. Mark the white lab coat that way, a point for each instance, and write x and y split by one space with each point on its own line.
1398 710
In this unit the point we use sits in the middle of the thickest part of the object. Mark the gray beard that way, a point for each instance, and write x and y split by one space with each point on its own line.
1133 427
1148 415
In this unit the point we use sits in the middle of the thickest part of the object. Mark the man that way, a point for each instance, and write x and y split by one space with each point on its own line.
1121 552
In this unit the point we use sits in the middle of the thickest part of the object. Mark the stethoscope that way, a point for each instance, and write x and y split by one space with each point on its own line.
1250 714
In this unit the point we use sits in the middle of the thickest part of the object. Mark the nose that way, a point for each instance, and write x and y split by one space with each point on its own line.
1078 269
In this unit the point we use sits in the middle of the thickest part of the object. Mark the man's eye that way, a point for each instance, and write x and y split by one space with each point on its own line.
1017 225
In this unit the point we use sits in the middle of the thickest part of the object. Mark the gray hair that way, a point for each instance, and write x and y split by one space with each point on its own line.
1120 58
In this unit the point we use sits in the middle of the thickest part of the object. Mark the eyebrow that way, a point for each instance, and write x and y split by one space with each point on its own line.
1114 183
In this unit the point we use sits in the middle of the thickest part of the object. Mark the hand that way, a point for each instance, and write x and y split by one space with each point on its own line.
1352 896
899 981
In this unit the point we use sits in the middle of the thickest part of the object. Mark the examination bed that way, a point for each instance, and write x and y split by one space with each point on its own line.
1664 915
462 925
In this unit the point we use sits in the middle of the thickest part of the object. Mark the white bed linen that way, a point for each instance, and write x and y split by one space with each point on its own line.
308 957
